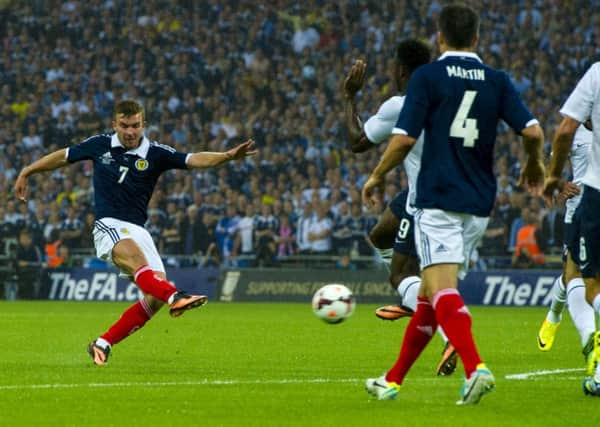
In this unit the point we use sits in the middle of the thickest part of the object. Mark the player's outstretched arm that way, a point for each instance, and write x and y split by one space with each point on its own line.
54 160
352 84
394 154
561 147
208 159
533 173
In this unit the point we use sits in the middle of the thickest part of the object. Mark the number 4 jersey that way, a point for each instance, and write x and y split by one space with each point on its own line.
124 180
458 101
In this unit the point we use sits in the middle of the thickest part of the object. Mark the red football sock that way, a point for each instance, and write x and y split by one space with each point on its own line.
454 317
130 321
418 333
151 284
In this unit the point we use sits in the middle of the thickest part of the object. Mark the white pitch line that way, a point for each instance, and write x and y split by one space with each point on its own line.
178 383
520 376
527 375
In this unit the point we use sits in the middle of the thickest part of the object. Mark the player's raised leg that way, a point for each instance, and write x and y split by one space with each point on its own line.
139 259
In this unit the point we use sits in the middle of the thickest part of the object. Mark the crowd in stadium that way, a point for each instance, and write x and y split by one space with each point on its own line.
213 75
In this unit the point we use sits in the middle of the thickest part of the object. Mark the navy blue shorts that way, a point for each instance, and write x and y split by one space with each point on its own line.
405 239
572 233
589 240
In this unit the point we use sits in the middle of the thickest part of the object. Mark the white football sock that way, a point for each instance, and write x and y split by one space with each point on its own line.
386 256
559 296
408 289
581 312
442 334
102 343
596 304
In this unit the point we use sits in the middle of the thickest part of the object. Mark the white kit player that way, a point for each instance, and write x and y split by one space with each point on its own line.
569 288
583 104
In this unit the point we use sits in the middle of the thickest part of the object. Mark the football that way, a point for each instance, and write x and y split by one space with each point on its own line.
333 303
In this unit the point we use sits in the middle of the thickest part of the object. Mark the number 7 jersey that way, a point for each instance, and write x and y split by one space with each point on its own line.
458 101
124 180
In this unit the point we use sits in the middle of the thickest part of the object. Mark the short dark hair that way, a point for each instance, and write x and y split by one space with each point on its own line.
412 53
459 24
128 107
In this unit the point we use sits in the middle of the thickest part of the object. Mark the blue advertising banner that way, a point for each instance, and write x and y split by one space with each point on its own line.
509 287
498 287
82 284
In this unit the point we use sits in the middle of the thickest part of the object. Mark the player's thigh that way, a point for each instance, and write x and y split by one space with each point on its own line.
589 241
127 245
383 233
474 228
447 238
589 233
437 277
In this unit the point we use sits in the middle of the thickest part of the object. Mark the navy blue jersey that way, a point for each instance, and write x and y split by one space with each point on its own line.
124 180
458 102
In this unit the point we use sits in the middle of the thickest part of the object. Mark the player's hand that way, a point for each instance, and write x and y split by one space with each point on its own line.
243 150
372 192
355 79
21 188
532 177
569 191
554 185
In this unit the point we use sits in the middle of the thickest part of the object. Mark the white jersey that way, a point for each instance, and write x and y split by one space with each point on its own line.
582 104
380 127
580 150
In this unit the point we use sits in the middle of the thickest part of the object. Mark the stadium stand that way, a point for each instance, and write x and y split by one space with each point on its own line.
211 74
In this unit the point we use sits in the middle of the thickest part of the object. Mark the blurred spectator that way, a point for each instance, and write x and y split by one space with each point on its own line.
52 249
320 230
285 237
302 229
29 262
553 225
493 242
244 238
71 229
207 240
342 236
225 232
86 242
357 223
529 249
172 236
266 228
191 231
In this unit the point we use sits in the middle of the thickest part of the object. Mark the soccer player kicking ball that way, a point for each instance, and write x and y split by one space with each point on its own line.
127 166
393 235
584 103
458 102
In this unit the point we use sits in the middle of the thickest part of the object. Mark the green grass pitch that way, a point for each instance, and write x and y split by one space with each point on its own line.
273 365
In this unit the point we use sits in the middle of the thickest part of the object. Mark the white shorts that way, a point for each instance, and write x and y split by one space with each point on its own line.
108 231
447 237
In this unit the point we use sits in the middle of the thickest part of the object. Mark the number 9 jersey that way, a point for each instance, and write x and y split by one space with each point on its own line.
458 102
